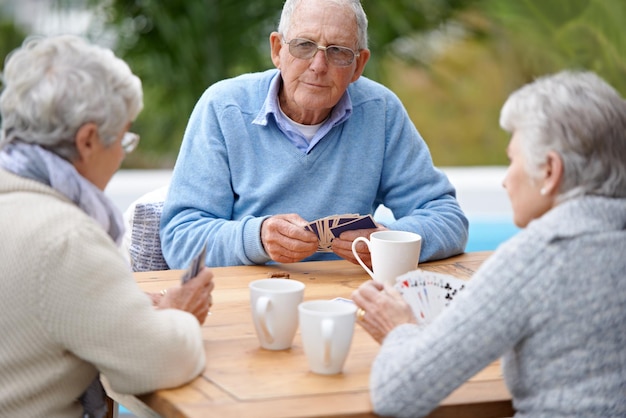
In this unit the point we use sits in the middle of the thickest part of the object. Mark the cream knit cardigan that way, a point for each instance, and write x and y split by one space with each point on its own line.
69 308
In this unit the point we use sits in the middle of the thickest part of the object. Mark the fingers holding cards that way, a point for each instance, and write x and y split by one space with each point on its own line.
382 308
285 238
196 265
193 296
328 228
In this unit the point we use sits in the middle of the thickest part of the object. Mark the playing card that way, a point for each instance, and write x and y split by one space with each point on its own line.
330 227
344 300
363 222
195 266
428 293
409 294
313 228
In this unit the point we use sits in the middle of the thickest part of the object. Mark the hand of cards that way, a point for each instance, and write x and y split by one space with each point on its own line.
428 293
194 268
332 226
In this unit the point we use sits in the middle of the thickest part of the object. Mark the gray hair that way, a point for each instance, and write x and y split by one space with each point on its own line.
580 117
361 19
54 85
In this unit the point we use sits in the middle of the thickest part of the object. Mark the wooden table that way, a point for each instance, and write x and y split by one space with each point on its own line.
243 380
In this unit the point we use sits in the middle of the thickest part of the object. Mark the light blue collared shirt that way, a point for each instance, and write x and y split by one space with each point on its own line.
341 112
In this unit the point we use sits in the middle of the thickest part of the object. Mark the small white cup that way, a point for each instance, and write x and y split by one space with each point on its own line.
393 254
274 306
326 327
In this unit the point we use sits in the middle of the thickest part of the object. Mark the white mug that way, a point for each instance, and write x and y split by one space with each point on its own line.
326 327
274 306
393 254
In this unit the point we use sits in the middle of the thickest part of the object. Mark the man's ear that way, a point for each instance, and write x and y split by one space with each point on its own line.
361 60
276 43
86 141
553 174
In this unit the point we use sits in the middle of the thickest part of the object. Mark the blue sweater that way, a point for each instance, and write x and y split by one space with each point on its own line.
550 301
231 174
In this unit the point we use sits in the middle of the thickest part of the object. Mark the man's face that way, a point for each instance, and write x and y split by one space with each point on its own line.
311 87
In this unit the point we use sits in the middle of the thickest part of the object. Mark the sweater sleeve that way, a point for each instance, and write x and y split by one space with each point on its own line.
200 199
91 306
418 367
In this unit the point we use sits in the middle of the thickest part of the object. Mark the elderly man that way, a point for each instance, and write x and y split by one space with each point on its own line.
264 154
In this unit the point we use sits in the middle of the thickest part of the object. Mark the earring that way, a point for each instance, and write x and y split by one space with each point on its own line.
543 191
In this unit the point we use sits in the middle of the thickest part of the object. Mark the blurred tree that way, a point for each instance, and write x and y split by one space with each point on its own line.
11 37
547 36
454 80
180 48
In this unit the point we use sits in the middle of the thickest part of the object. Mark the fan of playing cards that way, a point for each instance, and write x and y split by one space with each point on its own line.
332 226
428 293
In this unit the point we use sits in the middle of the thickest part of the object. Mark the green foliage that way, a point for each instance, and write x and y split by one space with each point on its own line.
11 37
455 101
454 96
549 36
391 22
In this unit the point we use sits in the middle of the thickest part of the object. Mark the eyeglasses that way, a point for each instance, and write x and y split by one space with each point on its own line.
339 56
130 140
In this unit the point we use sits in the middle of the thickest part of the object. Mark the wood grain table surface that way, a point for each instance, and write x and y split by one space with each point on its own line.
243 380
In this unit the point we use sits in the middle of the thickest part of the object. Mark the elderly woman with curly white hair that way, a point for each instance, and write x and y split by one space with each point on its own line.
69 307
550 301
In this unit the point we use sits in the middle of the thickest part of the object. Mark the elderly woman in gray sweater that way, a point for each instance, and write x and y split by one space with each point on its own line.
550 301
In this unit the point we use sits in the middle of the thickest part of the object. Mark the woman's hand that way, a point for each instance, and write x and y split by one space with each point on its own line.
383 309
193 297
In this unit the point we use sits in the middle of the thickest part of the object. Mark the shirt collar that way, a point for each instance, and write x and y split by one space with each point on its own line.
340 113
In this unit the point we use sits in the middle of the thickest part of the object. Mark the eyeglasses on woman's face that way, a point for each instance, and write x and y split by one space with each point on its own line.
130 140
339 56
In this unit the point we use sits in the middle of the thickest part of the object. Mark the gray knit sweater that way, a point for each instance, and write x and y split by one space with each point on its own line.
551 301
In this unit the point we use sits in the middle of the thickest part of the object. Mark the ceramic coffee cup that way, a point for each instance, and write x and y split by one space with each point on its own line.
326 327
393 254
274 306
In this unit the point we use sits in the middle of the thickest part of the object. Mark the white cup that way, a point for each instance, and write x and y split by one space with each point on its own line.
326 327
274 306
393 254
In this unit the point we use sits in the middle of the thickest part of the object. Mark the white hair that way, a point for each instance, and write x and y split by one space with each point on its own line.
361 19
580 117
54 85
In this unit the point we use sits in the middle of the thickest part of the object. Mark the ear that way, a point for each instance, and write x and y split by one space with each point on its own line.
364 56
87 140
276 43
553 173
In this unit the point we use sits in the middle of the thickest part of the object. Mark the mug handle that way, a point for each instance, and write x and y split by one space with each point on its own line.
328 326
262 305
356 255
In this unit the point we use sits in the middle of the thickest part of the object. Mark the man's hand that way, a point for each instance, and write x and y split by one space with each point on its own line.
285 240
342 246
